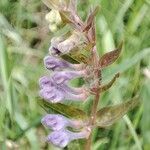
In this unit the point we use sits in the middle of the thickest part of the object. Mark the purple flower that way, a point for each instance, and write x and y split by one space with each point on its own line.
54 63
52 95
59 138
78 97
63 76
55 93
73 90
62 138
57 122
45 82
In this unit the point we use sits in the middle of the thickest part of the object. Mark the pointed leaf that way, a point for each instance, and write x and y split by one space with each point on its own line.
56 4
77 55
65 16
91 34
110 57
109 115
66 110
52 4
90 19
107 86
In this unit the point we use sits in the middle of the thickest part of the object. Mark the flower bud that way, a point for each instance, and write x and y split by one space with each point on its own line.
53 17
53 27
67 45
62 138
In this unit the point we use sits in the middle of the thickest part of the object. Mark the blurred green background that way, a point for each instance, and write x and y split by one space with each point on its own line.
24 41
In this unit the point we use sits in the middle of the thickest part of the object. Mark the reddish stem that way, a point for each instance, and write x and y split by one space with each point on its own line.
96 99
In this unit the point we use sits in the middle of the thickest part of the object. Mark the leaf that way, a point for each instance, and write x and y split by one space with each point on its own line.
90 19
109 115
91 34
65 16
66 110
129 62
56 4
107 86
76 55
52 4
110 57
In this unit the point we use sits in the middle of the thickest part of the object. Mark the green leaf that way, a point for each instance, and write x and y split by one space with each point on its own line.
109 115
66 16
107 86
51 4
66 110
55 4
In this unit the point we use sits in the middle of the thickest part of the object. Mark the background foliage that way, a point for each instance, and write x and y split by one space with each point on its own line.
24 41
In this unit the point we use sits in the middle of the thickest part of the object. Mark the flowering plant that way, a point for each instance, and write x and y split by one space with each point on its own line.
71 123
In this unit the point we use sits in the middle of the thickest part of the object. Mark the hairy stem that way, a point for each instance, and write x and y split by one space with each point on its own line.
96 99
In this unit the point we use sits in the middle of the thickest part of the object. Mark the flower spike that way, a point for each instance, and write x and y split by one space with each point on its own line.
79 46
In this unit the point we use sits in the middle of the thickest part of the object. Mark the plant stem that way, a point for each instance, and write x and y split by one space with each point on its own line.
96 99
92 121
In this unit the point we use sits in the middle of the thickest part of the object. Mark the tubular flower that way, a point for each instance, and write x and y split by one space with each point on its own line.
55 92
54 95
45 82
62 137
64 76
56 63
67 45
57 122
